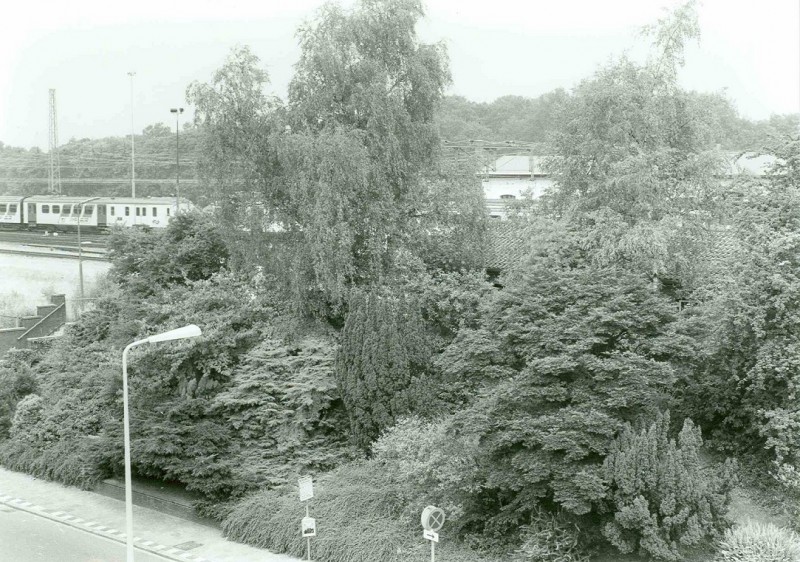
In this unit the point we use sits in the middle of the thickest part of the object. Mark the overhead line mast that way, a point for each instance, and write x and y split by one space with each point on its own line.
55 163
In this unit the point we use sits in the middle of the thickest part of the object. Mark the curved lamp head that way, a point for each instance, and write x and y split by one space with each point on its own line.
190 331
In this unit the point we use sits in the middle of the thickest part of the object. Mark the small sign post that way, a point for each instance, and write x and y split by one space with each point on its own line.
308 526
432 520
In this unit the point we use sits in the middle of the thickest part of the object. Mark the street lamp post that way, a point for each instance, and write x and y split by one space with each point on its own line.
177 111
80 247
190 331
133 171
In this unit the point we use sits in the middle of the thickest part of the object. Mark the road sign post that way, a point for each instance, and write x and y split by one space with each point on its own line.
308 526
432 520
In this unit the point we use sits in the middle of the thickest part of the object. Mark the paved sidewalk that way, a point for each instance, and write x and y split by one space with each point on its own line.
169 536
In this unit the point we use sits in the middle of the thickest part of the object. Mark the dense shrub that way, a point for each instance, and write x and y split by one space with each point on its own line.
65 431
744 392
757 542
430 463
282 405
662 498
81 462
17 380
189 249
550 538
567 353
239 407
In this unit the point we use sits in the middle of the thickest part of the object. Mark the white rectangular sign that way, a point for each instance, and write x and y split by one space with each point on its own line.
306 486
309 527
431 535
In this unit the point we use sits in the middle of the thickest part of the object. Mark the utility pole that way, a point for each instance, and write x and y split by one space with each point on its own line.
177 112
80 247
54 178
133 151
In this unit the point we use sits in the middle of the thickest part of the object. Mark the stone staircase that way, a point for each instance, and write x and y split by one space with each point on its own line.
35 330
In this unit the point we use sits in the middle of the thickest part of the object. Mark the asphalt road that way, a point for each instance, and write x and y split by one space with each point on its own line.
25 537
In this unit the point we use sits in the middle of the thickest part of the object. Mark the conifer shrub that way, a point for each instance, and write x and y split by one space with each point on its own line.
758 542
381 365
664 501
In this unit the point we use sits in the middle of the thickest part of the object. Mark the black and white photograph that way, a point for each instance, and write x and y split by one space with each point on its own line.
400 281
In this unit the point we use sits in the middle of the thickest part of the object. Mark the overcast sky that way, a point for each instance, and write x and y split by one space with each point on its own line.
85 48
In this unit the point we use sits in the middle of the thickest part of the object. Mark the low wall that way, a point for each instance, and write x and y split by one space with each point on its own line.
158 496
47 325
8 338
33 327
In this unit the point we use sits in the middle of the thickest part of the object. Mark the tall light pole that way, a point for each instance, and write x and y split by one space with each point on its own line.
190 331
177 112
133 151
80 247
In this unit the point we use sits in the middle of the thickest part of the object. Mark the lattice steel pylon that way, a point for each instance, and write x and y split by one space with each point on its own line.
55 162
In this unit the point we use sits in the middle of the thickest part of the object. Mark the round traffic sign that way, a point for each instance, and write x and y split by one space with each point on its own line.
432 518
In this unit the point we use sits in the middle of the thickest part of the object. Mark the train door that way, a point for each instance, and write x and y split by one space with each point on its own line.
32 214
101 216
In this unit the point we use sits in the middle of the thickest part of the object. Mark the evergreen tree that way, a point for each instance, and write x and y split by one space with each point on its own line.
382 362
662 498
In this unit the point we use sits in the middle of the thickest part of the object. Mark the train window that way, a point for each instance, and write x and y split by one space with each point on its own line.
144 211
45 208
66 209
137 211
56 209
127 211
88 210
12 208
167 211
155 213
2 207
111 209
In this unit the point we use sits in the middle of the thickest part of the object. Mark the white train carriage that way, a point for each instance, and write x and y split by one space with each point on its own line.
62 213
154 212
11 211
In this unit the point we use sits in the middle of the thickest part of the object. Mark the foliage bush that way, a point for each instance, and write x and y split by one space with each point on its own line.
225 414
550 538
663 500
430 463
17 380
759 542
239 407
561 359
189 249
743 392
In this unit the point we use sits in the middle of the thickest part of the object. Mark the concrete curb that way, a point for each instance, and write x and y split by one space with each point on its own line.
167 552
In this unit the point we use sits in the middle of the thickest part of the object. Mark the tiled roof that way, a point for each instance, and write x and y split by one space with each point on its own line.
720 249
507 244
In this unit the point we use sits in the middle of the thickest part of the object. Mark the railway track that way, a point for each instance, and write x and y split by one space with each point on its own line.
62 240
